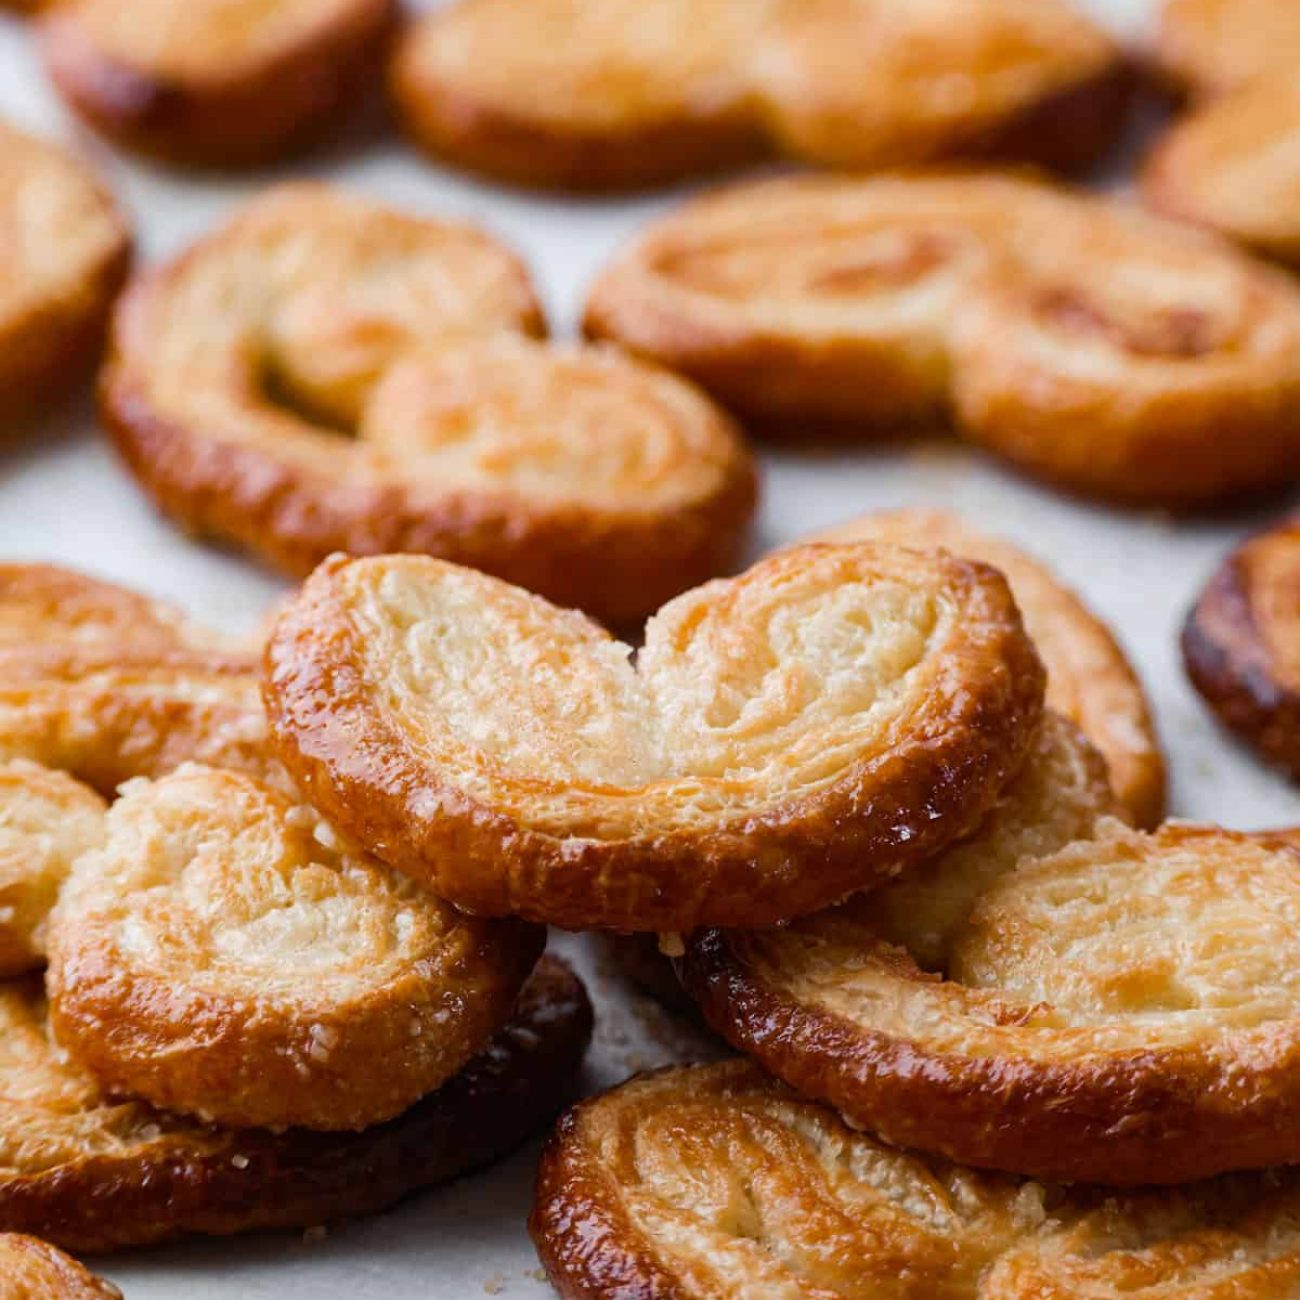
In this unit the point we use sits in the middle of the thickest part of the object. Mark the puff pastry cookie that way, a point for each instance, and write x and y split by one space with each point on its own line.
716 1183
222 955
786 737
1086 343
1089 679
32 1270
600 94
239 370
1129 999
93 1174
1234 167
1207 47
219 83
1241 644
66 252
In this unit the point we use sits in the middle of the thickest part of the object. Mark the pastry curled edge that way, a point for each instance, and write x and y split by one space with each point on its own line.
238 370
718 1183
608 94
1240 645
33 1270
211 83
1130 1000
222 955
1088 344
1208 47
91 1174
67 250
787 737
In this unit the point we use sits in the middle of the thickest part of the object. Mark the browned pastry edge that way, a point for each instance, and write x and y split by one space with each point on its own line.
1159 1117
353 764
299 1179
238 119
618 568
58 1276
1231 666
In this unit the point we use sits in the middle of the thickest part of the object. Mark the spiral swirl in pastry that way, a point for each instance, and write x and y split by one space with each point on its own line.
1088 344
94 1174
215 83
240 369
717 1183
66 251
601 94
33 1270
1241 644
786 737
1089 679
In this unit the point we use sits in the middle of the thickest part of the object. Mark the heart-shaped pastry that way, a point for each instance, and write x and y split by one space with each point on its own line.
328 374
784 739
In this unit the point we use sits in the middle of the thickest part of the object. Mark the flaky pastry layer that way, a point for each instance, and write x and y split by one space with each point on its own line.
33 1270
216 83
94 1174
1086 343
601 94
717 1183
327 374
785 738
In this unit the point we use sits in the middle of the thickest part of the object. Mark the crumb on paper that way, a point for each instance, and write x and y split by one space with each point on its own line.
495 1284
672 944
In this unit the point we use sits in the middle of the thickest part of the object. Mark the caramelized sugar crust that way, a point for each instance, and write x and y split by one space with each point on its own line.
32 1270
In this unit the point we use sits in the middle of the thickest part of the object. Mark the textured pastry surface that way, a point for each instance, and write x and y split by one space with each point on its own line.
33 1270
222 955
92 1174
598 94
1233 167
1089 679
215 82
717 1182
1241 644
1211 46
106 684
1089 344
66 250
1122 1011
241 369
785 738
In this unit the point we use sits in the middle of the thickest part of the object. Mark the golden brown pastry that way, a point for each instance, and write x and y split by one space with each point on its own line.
1241 645
222 955
603 94
215 83
1207 47
107 685
47 820
716 1183
1129 1000
597 480
1089 679
66 252
1234 167
33 1270
786 737
1086 343
93 1174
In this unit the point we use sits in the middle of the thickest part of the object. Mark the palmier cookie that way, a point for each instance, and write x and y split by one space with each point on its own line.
223 956
1121 1011
215 83
1089 679
594 479
605 94
1207 47
717 1183
1241 649
32 1270
67 248
107 685
94 1174
786 737
1234 167
1091 345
